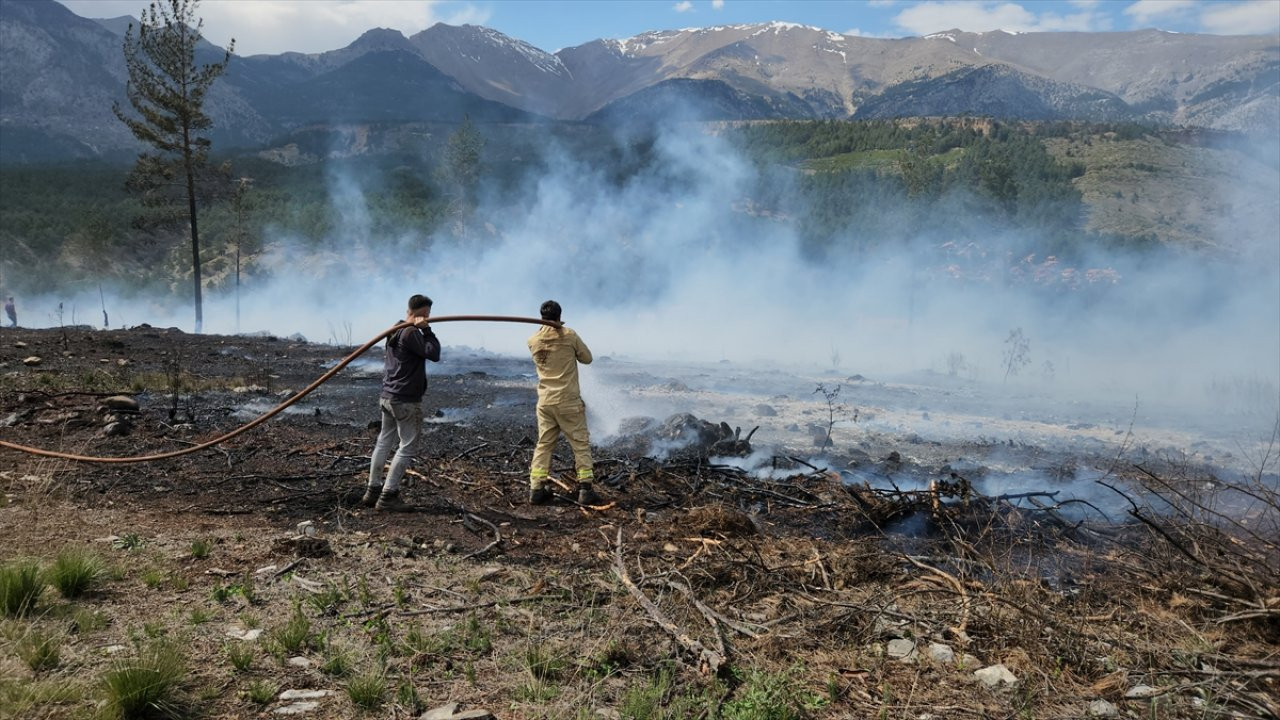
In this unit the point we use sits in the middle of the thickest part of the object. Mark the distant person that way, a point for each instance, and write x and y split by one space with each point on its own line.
404 382
556 353
12 311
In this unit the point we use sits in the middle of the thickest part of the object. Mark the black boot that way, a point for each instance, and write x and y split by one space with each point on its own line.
539 496
389 501
371 493
587 496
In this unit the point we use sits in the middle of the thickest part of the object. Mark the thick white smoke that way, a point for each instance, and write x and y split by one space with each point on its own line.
676 265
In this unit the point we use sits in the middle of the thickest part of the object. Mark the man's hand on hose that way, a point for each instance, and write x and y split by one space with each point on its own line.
419 321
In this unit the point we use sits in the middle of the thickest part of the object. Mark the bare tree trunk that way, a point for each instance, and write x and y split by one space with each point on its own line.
195 235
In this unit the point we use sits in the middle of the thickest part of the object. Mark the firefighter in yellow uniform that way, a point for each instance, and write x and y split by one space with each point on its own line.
556 352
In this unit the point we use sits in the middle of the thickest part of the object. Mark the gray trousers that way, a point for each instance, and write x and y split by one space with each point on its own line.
401 427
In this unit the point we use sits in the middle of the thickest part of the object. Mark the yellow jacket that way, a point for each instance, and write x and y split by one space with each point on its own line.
556 352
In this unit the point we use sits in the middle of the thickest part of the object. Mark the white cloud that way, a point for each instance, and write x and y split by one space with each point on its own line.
1260 17
717 4
275 26
683 6
938 15
1144 12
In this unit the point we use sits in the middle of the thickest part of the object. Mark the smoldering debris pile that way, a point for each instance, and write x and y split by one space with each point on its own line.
681 437
692 460
115 415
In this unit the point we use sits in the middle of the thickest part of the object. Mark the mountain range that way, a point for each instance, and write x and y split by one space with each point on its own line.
60 73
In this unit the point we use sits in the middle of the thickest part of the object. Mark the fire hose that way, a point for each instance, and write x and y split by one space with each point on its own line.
279 408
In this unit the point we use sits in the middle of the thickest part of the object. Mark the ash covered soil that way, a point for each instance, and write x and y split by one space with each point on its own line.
809 571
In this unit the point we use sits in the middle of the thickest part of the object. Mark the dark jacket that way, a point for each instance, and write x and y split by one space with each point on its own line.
404 378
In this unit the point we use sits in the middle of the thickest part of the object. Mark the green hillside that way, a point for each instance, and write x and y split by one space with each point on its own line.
844 188
1173 189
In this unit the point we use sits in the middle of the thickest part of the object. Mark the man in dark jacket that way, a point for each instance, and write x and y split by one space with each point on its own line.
404 381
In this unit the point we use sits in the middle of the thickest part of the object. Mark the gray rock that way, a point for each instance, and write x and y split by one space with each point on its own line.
1142 691
242 634
969 661
117 429
304 694
1102 708
444 712
995 675
764 410
902 649
474 715
887 627
121 402
32 361
941 653
297 708
299 661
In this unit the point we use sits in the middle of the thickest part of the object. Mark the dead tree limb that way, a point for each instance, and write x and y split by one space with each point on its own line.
954 583
497 537
710 613
709 661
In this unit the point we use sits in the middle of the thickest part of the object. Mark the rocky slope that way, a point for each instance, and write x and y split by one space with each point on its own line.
59 74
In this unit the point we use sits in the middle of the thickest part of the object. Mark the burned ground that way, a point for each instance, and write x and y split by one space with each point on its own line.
871 584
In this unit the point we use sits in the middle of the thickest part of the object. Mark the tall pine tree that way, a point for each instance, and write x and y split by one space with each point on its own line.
461 168
167 89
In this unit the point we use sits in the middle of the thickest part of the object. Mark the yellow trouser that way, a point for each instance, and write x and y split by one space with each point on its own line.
569 418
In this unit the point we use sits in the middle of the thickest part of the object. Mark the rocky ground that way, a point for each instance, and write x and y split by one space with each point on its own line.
935 559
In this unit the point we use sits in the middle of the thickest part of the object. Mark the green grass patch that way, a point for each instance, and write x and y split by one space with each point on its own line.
476 636
147 686
84 620
262 692
660 697
39 649
26 698
537 692
613 658
339 661
419 644
201 548
544 662
240 655
772 696
21 583
76 572
130 542
295 635
329 600
244 589
367 691
407 697
200 616
155 578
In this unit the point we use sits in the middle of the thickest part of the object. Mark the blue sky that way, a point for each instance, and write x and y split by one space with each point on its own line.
273 26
